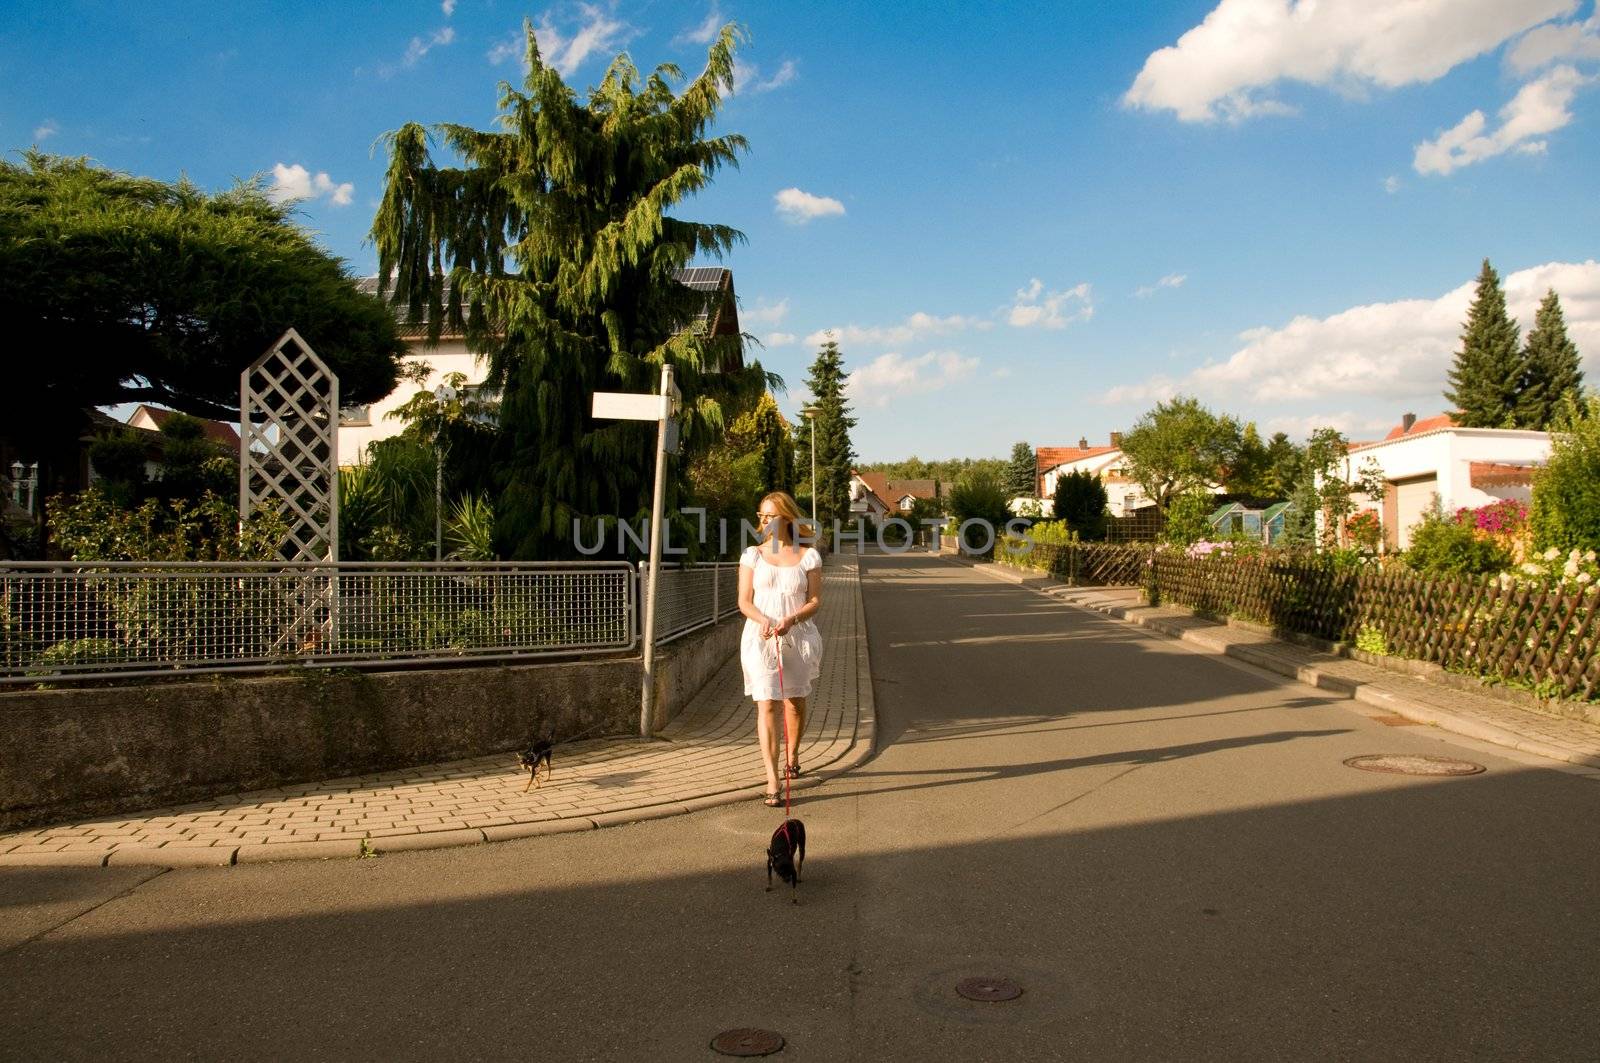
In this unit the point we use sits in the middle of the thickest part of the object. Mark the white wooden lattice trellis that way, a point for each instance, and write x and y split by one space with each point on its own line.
289 462
289 413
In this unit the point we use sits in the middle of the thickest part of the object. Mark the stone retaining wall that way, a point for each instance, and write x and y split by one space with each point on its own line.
80 752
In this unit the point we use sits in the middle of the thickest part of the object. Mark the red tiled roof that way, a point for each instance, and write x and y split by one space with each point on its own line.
1499 474
216 431
890 492
1427 424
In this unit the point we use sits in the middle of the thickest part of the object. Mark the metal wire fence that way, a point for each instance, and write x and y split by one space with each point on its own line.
690 597
127 619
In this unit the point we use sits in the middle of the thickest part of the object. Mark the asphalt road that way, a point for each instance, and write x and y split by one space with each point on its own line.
1162 849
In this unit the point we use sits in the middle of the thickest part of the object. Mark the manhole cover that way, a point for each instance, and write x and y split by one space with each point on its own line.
1413 764
747 1042
989 990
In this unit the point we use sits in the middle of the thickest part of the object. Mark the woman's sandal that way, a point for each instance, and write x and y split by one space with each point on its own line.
772 800
793 770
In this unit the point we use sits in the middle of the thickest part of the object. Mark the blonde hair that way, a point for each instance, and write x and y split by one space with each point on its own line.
788 511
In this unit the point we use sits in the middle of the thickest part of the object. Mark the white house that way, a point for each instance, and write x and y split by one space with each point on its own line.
1123 495
1463 467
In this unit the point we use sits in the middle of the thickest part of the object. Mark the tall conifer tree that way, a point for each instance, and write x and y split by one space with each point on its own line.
1022 474
560 237
1551 366
835 455
1488 373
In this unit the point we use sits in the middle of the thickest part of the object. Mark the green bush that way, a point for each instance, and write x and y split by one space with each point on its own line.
979 495
1187 521
1080 501
1440 544
1566 492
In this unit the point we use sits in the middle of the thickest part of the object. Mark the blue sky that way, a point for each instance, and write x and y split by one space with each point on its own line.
1022 221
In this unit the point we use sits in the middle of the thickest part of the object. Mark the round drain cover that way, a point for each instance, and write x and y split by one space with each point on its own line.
747 1042
989 990
1413 764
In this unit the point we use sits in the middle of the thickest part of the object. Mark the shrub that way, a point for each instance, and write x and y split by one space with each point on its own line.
1364 529
1080 501
92 526
1187 518
979 496
1566 492
1442 544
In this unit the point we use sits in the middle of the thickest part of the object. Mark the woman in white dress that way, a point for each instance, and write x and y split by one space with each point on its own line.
780 591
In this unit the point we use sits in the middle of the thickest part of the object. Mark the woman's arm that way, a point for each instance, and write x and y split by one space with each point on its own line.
812 604
747 600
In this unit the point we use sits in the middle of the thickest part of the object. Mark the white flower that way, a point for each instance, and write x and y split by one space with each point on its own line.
1570 569
1584 577
1551 554
1531 569
1589 556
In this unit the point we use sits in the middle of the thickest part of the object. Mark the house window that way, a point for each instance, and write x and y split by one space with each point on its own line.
355 416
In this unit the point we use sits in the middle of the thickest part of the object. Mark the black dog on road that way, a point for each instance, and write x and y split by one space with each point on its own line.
787 853
530 759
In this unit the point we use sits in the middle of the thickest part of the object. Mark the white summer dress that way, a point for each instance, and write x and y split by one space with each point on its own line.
779 591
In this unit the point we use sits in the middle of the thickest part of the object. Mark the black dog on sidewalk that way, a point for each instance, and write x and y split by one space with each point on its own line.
786 854
529 759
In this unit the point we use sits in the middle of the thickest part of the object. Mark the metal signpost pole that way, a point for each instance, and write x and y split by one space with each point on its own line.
658 408
648 688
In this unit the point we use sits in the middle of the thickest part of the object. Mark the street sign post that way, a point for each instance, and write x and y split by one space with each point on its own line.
659 408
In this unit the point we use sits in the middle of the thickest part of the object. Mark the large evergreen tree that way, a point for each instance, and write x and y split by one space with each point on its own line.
1487 376
1022 475
834 452
1551 367
559 238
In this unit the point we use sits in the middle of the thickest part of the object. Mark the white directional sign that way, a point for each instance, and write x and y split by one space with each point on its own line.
625 406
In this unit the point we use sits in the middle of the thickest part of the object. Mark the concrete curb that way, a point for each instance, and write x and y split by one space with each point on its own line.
1339 686
857 753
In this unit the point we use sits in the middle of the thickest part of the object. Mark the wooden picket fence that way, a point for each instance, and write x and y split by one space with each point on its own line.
1545 639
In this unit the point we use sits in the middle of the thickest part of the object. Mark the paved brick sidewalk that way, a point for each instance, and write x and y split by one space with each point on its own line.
1474 715
706 757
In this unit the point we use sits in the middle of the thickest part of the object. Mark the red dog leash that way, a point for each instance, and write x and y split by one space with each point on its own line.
777 642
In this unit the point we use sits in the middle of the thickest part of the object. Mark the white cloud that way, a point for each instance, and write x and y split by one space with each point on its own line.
1171 280
780 339
765 313
747 77
1556 43
704 33
1355 426
448 7
297 183
912 328
1035 306
800 207
46 130
1399 350
1222 67
597 34
1003 372
1391 184
421 46
1158 388
1541 106
879 381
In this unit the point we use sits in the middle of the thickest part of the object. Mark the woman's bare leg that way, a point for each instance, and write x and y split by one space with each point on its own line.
794 716
767 735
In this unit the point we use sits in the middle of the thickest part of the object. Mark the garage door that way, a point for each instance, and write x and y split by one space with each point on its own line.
1413 498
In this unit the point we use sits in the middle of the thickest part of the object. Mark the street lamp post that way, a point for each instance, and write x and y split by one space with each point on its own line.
18 482
441 395
810 414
